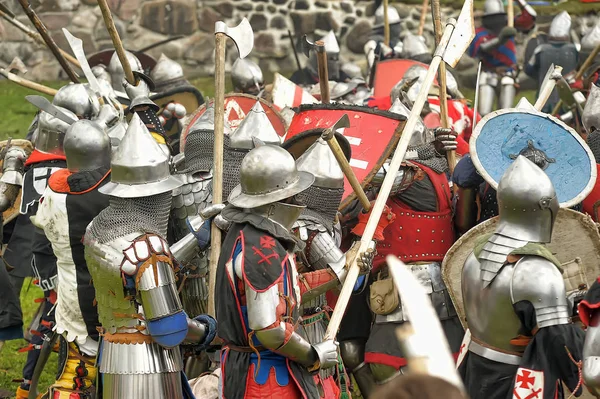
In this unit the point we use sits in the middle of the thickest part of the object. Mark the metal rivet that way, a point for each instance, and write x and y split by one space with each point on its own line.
412 216
419 216
400 227
442 240
432 241
433 231
418 230
417 240
416 256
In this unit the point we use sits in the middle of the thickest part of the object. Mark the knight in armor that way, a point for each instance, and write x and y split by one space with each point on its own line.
494 44
69 203
420 235
521 341
247 77
375 49
415 48
265 351
133 272
170 82
591 124
558 51
28 249
588 43
309 75
117 74
589 315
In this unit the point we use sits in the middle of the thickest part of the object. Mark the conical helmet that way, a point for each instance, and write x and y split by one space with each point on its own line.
246 76
115 69
79 98
527 203
51 132
140 168
413 46
421 135
199 143
268 174
256 125
591 113
493 7
331 44
560 27
323 198
393 16
87 146
165 72
591 39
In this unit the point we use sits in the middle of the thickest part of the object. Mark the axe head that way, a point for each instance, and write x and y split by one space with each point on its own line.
307 46
242 35
463 34
17 65
343 122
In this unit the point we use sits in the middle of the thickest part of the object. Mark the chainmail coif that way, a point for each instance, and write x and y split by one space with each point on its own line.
130 215
593 142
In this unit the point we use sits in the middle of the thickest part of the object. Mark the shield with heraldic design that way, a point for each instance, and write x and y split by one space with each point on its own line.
237 105
529 384
390 72
373 135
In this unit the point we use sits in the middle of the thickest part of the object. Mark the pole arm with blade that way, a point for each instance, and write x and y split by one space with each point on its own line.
437 26
41 28
27 83
386 187
553 74
476 105
116 39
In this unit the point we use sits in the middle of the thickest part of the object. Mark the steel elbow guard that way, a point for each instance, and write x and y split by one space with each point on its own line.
169 331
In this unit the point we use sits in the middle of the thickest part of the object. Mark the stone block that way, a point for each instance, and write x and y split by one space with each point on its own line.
279 2
128 9
349 20
264 43
224 8
169 17
271 8
326 21
56 20
244 7
9 50
358 36
200 47
50 69
321 4
9 33
258 22
278 22
85 18
259 7
207 18
347 7
304 22
403 9
100 32
300 5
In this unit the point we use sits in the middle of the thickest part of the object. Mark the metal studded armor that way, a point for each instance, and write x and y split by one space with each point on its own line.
515 298
138 303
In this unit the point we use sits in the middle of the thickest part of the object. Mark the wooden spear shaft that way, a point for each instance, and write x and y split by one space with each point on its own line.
323 71
423 17
41 28
27 83
116 39
437 25
386 24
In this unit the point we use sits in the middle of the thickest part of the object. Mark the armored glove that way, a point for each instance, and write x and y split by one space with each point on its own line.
445 139
12 168
203 233
139 95
205 327
108 116
387 217
327 354
506 33
365 259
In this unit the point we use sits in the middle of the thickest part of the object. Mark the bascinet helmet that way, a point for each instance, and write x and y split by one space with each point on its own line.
268 175
87 146
591 39
256 125
140 168
246 76
527 203
323 198
332 48
415 48
591 113
51 132
393 16
493 7
166 72
421 135
79 98
115 69
560 28
494 16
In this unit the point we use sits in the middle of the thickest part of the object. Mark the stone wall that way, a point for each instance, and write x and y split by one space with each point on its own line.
144 22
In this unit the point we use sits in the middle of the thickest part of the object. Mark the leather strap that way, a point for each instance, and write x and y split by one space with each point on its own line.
493 354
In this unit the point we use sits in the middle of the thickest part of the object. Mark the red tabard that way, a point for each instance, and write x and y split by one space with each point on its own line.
419 236
589 204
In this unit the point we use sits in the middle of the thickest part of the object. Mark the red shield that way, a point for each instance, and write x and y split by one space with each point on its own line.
372 135
237 105
390 72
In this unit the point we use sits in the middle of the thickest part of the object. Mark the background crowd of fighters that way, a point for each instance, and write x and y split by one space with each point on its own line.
114 201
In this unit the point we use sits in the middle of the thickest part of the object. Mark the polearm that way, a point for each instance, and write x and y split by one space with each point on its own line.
423 17
455 40
588 61
386 24
510 13
41 28
437 27
27 83
116 39
298 65
10 18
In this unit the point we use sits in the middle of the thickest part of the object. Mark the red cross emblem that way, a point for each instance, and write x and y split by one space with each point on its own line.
529 384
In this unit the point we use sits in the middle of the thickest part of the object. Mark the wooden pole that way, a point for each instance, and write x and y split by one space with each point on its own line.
386 24
510 13
424 8
217 180
27 83
41 28
338 153
437 25
116 39
386 187
323 71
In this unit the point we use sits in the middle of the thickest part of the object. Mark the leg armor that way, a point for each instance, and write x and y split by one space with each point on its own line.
353 354
77 374
508 92
487 92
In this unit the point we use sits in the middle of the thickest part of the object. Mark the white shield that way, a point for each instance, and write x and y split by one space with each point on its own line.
529 384
40 178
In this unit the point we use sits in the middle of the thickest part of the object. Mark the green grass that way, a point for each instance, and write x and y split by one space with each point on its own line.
11 361
574 7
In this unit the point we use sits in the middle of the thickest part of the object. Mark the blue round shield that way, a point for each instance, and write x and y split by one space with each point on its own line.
558 149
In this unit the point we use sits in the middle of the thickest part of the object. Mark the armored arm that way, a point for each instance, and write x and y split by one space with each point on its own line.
465 209
539 282
277 335
12 176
